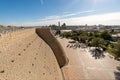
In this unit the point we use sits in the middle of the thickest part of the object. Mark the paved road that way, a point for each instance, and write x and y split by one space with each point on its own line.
82 66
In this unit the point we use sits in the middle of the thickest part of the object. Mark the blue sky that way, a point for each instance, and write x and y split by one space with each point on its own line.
45 12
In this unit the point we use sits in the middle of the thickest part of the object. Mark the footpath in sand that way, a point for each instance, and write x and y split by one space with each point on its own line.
82 66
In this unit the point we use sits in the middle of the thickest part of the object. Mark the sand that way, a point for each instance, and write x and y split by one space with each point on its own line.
25 56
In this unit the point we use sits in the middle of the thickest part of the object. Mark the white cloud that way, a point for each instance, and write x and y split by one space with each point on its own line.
65 15
50 18
106 19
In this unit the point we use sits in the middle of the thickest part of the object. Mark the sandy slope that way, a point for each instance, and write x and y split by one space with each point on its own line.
46 35
25 56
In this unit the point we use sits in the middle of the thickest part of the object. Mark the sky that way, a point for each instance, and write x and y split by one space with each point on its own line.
48 12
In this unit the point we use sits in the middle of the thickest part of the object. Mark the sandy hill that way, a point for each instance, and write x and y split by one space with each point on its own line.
25 56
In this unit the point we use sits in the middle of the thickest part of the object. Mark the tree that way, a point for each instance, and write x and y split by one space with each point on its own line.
89 41
75 38
96 34
106 35
66 34
90 34
98 43
116 50
58 32
83 38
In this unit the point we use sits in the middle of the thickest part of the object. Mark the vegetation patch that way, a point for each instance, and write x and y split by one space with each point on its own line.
102 41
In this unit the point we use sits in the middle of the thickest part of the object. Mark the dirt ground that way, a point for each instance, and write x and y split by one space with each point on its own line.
83 66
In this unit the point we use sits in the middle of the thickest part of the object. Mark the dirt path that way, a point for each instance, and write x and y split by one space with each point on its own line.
82 66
